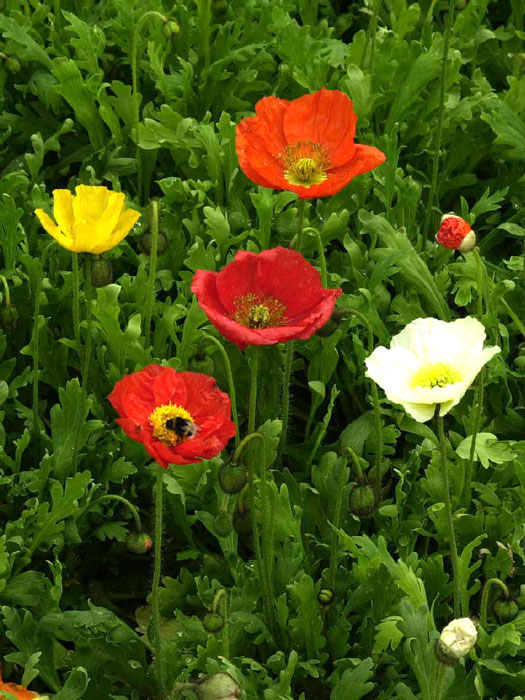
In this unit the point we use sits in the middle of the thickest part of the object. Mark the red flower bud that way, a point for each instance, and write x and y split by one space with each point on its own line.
455 234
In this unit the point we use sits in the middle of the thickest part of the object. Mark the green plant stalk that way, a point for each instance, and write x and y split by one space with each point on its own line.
259 558
439 130
204 22
157 642
343 461
7 293
231 383
485 598
76 300
448 514
378 427
320 249
299 225
120 499
441 673
135 81
154 228
373 32
254 372
58 17
288 361
89 315
222 596
36 317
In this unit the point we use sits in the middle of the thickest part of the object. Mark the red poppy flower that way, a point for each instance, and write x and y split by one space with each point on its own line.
265 298
305 146
17 691
181 417
455 233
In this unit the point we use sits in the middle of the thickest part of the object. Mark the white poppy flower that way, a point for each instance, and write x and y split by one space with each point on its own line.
430 362
458 638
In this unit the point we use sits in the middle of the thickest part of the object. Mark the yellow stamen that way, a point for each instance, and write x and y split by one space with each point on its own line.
438 374
158 420
259 311
305 163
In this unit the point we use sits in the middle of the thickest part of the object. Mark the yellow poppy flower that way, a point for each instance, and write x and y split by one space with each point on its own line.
92 221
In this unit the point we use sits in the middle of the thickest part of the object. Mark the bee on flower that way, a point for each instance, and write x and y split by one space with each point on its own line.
455 233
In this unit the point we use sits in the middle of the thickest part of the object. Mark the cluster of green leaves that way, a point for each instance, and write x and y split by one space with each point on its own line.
74 601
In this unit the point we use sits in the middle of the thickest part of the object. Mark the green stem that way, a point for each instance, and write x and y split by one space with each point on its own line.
223 596
378 426
120 499
485 598
300 221
159 669
477 408
373 32
254 370
231 383
135 81
322 258
480 277
36 318
76 300
439 130
154 229
58 16
448 513
204 22
89 314
288 361
341 481
7 293
441 674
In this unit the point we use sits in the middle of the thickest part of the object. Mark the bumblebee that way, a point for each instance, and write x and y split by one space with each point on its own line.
182 427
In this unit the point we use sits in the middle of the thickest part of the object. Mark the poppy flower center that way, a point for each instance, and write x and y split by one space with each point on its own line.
438 374
305 163
172 424
259 311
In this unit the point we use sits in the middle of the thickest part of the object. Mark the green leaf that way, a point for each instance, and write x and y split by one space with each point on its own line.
354 683
488 449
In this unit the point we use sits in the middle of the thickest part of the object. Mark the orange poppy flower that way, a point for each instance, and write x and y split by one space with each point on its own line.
17 691
305 146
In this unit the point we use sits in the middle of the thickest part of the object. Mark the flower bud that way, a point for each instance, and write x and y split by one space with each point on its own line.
12 64
202 363
146 241
236 221
325 596
170 29
101 271
218 686
455 234
232 477
213 622
242 522
362 500
332 324
138 543
223 523
506 610
9 316
456 640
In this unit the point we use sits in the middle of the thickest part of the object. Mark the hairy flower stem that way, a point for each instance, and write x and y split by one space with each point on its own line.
373 32
157 638
231 383
89 314
222 596
448 514
341 481
378 427
262 555
150 301
135 79
478 393
254 372
36 319
485 598
320 249
120 499
76 300
204 23
439 130
441 674
6 290
299 225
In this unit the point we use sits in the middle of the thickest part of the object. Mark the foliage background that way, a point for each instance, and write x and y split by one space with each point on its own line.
74 615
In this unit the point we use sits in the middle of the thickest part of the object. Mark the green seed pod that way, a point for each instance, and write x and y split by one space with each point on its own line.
232 477
362 500
223 523
242 522
170 29
218 686
519 363
9 316
236 221
205 364
138 543
213 622
506 610
146 243
12 65
101 271
325 596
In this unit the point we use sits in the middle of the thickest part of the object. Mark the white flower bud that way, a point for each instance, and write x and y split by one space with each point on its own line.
457 639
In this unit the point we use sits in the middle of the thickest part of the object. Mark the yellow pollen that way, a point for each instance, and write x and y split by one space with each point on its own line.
438 374
305 163
259 311
158 421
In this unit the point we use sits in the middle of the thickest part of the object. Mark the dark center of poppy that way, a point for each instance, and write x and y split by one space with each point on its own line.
172 424
259 311
305 163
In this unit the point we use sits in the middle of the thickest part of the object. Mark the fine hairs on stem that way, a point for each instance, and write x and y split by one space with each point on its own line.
154 228
231 383
157 638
